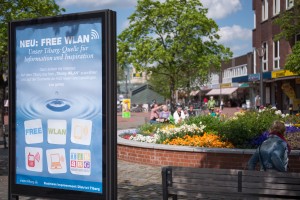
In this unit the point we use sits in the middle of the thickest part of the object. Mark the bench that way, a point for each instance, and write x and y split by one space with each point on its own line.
201 183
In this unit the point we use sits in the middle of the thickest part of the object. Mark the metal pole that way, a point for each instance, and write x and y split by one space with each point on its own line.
261 82
126 86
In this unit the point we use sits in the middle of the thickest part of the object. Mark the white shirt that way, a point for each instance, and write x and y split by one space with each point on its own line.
177 118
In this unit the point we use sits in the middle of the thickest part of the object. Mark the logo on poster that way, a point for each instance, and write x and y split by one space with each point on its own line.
34 159
80 162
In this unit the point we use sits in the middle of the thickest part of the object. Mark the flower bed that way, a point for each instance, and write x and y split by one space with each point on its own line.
244 130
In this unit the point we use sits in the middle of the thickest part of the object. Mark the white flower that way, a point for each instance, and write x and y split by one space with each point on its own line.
278 112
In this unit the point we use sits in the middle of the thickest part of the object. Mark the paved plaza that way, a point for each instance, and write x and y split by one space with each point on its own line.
135 181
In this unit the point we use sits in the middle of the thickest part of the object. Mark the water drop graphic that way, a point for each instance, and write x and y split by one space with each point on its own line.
57 104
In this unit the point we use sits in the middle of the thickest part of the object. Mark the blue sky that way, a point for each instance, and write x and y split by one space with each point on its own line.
234 17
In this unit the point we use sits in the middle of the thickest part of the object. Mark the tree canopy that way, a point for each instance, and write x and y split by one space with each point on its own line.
289 22
22 9
175 39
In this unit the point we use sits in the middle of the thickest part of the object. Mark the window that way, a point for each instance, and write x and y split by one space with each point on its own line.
289 4
276 7
264 13
276 57
254 61
265 57
254 19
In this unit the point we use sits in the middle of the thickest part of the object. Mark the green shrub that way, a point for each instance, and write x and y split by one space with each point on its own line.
241 129
212 124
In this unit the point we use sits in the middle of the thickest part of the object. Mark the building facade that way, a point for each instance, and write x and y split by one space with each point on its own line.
283 88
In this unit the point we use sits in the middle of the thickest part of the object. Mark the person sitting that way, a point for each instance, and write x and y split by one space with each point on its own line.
164 115
191 112
178 115
272 154
154 114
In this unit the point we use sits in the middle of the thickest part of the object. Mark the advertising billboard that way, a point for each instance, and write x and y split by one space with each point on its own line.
59 88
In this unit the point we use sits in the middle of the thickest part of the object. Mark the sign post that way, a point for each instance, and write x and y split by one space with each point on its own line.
62 105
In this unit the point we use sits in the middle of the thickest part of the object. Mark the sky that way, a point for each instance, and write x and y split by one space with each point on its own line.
234 18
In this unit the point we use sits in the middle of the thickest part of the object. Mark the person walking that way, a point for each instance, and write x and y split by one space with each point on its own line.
257 102
272 154
211 104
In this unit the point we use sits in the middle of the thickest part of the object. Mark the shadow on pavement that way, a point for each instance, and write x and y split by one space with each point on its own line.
126 190
4 162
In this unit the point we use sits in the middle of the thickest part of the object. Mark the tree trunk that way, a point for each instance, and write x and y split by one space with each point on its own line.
172 93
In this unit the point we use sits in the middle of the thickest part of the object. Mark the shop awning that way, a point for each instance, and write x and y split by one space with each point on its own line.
194 92
222 91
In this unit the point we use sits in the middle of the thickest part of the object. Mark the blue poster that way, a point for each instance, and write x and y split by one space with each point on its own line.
59 105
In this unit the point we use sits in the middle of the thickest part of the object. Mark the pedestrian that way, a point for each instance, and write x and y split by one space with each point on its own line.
154 114
272 154
178 115
205 100
191 112
211 104
221 104
257 102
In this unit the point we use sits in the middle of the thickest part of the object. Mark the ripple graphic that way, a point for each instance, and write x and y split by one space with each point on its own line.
58 105
84 107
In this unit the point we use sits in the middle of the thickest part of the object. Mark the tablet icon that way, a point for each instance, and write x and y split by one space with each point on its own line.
81 131
56 161
34 159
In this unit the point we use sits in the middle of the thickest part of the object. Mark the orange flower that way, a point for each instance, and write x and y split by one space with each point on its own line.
207 140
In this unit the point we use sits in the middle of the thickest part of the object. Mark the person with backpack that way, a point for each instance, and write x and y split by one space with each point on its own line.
272 154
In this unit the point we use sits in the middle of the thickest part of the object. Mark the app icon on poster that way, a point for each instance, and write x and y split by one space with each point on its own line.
34 159
56 161
81 131
33 131
80 162
57 131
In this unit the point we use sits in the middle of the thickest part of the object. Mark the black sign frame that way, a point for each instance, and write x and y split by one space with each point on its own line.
109 120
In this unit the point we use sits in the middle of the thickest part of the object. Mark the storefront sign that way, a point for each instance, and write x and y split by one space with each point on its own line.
253 77
288 90
282 73
60 105
126 108
225 85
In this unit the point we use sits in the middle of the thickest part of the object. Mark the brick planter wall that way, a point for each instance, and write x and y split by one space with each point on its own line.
163 155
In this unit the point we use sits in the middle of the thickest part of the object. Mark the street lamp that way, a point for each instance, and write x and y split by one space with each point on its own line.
261 52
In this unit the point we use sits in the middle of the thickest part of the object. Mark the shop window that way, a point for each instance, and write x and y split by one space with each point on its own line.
276 57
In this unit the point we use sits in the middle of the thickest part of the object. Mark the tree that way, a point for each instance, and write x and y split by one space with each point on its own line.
289 22
174 39
22 9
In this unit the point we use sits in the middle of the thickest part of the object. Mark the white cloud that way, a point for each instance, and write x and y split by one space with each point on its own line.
235 32
97 3
237 38
218 9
